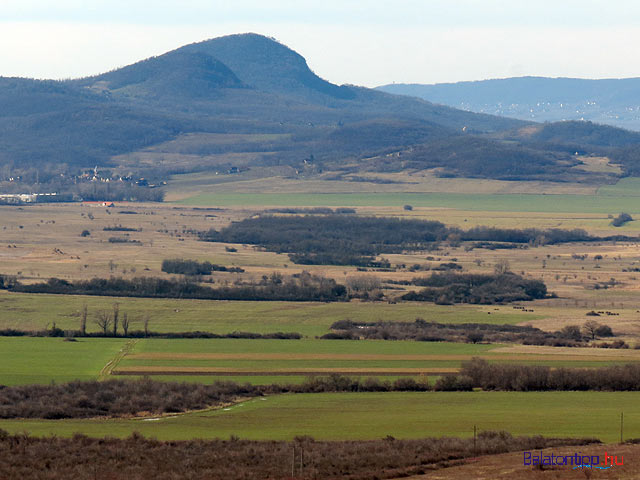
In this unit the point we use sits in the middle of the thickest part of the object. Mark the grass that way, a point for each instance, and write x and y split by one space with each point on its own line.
626 186
27 360
375 415
260 361
380 347
263 358
45 360
472 202
37 311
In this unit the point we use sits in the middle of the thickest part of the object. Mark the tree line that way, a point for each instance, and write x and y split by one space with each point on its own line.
423 331
193 267
354 240
449 288
301 287
478 373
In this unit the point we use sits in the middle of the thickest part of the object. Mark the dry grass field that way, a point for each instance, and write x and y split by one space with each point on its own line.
44 240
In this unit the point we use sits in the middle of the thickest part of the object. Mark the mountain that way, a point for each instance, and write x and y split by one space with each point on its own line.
608 101
247 101
268 65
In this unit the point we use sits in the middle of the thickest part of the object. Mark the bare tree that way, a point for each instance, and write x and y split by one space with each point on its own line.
103 320
501 267
116 313
83 319
363 283
146 324
125 323
590 328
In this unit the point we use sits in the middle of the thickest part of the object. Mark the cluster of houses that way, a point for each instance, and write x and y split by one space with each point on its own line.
20 198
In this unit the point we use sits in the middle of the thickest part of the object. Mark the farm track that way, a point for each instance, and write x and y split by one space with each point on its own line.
107 370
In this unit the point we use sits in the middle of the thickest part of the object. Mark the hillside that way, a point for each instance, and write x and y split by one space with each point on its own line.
249 102
607 101
179 74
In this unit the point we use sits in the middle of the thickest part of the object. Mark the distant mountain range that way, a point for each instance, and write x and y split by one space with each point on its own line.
246 101
610 101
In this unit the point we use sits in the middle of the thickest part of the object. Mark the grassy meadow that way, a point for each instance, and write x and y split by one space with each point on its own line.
470 202
345 416
39 311
25 360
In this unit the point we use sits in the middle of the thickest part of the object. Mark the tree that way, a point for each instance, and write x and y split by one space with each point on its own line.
621 219
116 313
146 324
103 320
572 332
475 337
590 328
604 331
83 319
363 283
501 267
125 323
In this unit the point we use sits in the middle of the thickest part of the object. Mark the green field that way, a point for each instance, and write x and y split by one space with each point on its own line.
27 360
376 415
39 311
44 360
610 201
266 361
625 187
236 346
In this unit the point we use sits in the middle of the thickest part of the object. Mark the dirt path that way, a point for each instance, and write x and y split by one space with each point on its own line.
107 370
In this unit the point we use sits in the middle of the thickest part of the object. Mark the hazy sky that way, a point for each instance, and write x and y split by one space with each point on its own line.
364 42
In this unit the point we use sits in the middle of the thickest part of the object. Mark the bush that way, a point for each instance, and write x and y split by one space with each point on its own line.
193 267
454 383
604 331
621 219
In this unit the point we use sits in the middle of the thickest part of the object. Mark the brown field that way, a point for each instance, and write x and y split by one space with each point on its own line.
509 466
222 371
514 352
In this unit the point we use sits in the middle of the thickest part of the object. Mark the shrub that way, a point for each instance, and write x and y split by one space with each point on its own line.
604 331
454 383
621 219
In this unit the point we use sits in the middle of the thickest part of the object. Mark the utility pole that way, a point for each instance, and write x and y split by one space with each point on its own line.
621 425
474 441
293 462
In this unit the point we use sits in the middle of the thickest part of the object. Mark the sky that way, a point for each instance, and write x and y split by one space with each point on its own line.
361 42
